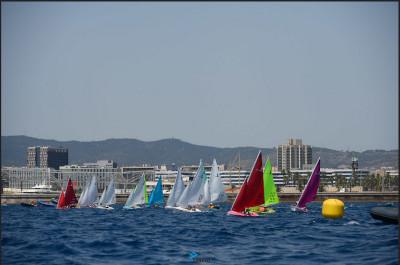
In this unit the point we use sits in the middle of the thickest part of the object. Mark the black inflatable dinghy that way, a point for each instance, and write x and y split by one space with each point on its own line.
386 214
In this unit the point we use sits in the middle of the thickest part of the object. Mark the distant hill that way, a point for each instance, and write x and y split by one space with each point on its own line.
168 151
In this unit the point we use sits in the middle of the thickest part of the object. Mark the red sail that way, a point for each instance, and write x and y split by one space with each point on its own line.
61 200
240 202
252 192
70 198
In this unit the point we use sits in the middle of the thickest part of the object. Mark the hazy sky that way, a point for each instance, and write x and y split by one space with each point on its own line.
218 74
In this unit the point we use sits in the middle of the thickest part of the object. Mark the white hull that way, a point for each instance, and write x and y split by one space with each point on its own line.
184 209
105 207
294 208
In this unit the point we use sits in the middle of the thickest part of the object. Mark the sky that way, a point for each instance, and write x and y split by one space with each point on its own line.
216 74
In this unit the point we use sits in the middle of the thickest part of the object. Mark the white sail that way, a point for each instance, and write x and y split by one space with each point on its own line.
183 199
103 195
196 192
82 197
137 196
217 192
207 196
90 197
177 190
110 197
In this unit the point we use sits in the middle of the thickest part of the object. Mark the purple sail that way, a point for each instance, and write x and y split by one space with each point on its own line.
311 188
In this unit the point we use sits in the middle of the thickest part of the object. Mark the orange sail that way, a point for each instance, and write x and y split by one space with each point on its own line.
70 198
252 191
61 200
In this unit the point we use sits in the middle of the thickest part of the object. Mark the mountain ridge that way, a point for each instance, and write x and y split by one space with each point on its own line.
131 151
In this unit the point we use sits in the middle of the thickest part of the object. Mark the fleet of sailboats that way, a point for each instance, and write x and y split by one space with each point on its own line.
255 198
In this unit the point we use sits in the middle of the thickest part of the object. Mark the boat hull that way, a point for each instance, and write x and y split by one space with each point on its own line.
242 214
46 204
195 210
27 204
105 207
386 214
295 208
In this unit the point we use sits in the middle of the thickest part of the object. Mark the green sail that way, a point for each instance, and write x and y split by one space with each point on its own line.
146 197
270 195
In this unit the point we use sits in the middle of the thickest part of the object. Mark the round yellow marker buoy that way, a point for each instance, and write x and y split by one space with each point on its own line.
332 208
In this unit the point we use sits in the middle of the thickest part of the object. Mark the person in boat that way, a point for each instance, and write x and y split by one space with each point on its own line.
213 206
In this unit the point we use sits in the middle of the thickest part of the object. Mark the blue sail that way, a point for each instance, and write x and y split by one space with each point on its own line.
157 196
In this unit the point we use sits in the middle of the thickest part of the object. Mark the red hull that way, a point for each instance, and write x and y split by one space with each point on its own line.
231 212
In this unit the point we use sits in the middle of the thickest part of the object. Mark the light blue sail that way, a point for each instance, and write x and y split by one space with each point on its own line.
157 196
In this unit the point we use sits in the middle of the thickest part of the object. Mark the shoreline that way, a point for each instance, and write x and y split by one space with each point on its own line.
283 197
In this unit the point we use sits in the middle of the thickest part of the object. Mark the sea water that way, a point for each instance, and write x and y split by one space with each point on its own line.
43 235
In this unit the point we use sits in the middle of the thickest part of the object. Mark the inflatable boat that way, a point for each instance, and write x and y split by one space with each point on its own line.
386 214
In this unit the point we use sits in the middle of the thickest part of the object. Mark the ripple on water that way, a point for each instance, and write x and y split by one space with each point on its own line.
157 236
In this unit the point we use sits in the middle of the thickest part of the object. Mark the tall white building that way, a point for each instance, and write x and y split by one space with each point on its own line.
293 155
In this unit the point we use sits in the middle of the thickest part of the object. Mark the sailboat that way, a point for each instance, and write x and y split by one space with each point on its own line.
157 196
310 191
108 197
176 192
138 197
214 188
89 195
270 194
251 193
61 200
193 196
69 199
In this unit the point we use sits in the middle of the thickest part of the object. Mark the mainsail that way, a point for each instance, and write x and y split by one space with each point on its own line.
157 196
61 200
270 194
83 194
90 195
310 191
252 191
108 197
207 195
138 196
70 198
196 191
177 190
217 193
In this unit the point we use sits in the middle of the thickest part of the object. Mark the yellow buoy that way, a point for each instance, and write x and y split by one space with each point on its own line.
333 208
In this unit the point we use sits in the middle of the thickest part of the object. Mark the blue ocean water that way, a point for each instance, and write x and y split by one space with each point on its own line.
158 236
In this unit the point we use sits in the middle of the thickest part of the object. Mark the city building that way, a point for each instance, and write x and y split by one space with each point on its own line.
102 164
293 155
46 157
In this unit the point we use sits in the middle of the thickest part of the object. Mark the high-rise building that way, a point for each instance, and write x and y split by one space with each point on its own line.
293 155
47 157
